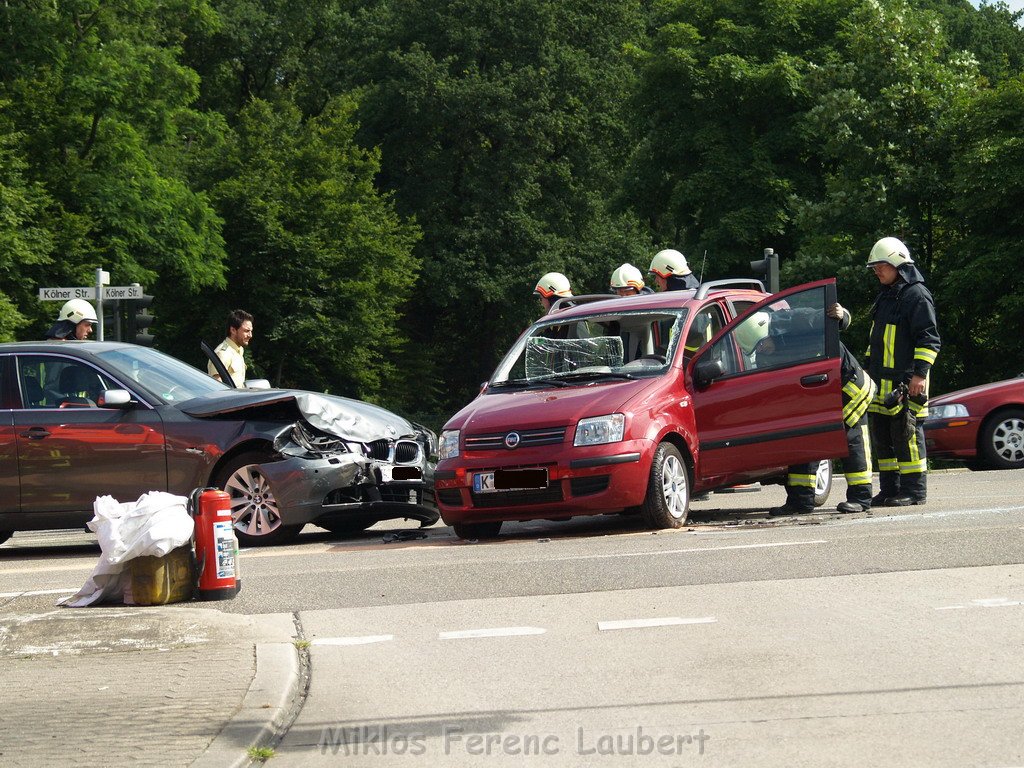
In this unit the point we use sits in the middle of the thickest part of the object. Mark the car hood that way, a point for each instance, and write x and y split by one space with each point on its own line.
526 409
338 416
982 389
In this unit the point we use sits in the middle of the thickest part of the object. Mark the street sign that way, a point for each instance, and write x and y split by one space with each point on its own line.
65 294
109 292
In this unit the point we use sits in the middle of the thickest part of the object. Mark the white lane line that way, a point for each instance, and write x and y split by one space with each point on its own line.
364 640
40 592
491 632
694 549
985 602
669 621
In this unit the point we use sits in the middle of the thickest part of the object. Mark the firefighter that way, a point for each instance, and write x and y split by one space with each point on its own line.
903 345
550 288
74 321
858 390
671 272
627 281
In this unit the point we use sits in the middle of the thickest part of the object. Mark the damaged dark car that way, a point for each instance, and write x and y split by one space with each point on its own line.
85 419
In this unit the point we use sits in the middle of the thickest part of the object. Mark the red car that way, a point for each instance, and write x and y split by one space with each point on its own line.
635 404
984 425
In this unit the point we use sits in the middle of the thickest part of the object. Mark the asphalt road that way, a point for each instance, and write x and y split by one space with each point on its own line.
892 637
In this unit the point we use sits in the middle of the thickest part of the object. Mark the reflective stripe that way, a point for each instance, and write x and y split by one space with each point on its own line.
915 456
802 481
858 478
888 465
877 406
871 335
912 467
859 400
889 353
926 355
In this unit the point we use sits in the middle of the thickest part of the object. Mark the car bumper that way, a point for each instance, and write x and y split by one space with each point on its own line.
345 485
952 438
589 480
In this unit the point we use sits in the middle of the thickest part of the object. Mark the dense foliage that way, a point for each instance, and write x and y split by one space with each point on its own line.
382 182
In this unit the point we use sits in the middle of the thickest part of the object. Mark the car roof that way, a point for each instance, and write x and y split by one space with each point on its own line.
666 300
73 346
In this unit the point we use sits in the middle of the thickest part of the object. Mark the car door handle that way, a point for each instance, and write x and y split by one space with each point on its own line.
814 380
35 433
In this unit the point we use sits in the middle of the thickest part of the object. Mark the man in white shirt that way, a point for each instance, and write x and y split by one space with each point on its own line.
231 351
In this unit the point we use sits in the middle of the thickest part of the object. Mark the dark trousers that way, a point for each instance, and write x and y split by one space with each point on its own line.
902 460
857 464
800 485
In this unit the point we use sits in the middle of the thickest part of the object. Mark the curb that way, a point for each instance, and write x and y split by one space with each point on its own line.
263 711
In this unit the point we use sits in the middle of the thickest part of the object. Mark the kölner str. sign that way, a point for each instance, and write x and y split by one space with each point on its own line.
110 292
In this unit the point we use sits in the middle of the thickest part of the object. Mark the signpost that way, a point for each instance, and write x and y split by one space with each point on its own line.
98 293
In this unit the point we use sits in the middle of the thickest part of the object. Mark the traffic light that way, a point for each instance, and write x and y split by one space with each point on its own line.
112 320
769 267
139 319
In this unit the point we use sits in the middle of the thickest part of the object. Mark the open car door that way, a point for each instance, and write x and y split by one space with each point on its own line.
767 390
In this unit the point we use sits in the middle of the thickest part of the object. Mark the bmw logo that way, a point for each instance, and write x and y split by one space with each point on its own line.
512 439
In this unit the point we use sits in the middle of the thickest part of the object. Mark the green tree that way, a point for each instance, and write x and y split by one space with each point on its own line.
315 252
97 93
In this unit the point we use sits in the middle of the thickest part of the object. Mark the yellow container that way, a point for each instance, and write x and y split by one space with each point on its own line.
161 580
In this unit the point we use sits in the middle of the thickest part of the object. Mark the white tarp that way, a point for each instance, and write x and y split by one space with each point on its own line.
154 525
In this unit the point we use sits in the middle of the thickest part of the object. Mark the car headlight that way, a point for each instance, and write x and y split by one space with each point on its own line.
448 445
600 429
951 411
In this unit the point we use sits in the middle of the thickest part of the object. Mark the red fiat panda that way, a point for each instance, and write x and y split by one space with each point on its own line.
634 404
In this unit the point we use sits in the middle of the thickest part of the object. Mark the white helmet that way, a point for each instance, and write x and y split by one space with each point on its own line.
752 330
627 276
553 284
669 262
889 250
76 311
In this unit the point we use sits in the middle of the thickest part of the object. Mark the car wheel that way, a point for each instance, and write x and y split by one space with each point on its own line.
254 509
347 527
1002 440
477 530
668 489
822 482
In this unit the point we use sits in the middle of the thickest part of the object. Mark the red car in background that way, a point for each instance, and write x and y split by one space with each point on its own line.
635 404
983 425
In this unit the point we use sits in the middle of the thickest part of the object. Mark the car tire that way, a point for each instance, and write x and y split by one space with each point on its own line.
667 503
254 510
1001 440
477 530
822 482
347 527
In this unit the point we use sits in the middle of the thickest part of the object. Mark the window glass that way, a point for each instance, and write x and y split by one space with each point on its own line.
706 323
59 382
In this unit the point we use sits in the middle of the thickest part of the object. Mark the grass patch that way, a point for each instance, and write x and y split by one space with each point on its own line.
261 753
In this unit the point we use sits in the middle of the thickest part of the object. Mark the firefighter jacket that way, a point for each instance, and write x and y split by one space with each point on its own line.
858 388
904 340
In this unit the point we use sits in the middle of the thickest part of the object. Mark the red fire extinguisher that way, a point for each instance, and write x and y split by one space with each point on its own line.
216 545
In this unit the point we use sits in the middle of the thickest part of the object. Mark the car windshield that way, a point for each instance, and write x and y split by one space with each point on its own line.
583 349
166 377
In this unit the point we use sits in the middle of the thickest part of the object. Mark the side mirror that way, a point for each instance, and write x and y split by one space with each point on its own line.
257 384
707 371
115 398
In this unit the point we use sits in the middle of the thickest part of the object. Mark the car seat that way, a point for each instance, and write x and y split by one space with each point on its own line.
32 392
78 385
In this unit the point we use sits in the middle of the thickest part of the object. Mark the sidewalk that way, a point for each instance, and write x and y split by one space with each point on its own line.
174 685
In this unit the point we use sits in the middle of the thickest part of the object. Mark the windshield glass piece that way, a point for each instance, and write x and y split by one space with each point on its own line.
579 350
551 357
170 379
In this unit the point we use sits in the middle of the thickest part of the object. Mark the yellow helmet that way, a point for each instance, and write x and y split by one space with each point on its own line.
76 311
553 284
752 330
669 262
889 250
627 276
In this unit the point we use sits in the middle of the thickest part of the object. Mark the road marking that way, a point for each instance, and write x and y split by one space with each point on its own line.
604 626
364 640
694 549
40 592
492 632
985 602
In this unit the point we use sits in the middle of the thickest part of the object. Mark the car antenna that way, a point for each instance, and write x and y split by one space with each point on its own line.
702 263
